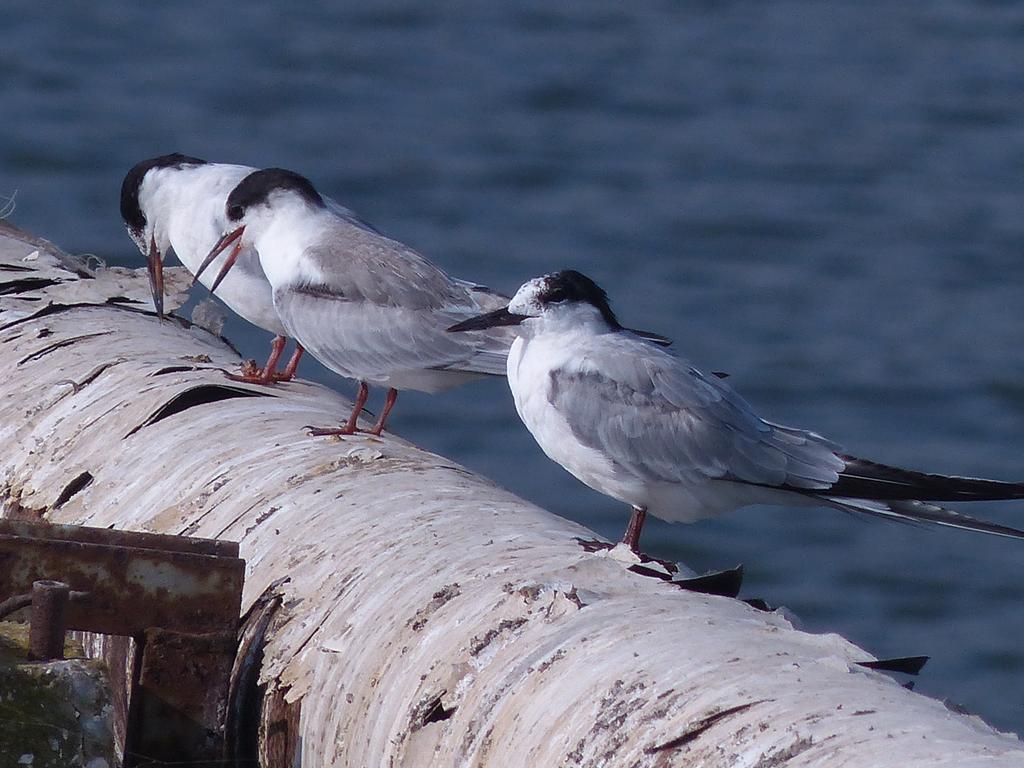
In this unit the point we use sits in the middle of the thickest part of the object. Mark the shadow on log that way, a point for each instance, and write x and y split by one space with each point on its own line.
401 610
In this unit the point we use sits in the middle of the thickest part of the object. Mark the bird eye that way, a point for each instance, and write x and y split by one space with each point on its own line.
235 212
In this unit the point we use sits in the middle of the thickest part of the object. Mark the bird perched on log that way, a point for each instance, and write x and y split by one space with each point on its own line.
637 423
368 307
177 202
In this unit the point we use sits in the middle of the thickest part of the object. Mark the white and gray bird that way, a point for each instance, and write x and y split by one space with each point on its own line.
637 423
368 307
175 202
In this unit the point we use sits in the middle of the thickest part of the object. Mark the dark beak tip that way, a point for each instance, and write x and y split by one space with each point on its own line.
493 319
155 266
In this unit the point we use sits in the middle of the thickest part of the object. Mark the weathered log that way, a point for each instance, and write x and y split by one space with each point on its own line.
401 610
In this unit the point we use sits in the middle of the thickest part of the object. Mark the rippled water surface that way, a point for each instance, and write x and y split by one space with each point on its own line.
822 198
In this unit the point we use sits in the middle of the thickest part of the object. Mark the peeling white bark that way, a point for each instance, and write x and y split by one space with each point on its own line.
429 618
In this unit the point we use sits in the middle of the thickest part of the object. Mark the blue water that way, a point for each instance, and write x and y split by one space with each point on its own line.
822 198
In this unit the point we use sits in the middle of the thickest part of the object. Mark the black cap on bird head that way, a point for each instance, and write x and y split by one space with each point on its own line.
131 211
570 286
135 219
258 186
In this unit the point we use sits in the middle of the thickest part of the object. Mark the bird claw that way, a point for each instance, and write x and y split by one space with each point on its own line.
593 545
248 378
251 373
326 431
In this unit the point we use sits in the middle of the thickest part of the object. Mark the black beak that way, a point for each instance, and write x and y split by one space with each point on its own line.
235 236
155 264
490 320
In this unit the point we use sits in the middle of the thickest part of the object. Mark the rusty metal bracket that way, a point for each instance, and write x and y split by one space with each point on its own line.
135 580
177 597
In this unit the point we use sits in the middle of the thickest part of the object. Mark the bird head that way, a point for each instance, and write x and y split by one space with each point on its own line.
568 296
143 213
259 199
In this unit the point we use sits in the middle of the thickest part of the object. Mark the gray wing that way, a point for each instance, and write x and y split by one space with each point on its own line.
662 419
361 265
382 307
371 246
361 339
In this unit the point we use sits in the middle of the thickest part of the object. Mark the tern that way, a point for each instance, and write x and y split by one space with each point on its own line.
175 202
368 307
635 422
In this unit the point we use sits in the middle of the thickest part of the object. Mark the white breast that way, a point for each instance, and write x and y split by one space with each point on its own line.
196 220
530 363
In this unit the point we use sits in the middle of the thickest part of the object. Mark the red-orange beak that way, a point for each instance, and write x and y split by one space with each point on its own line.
235 237
155 265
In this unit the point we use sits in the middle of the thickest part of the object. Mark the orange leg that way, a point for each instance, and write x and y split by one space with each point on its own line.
350 425
636 524
289 370
253 375
389 403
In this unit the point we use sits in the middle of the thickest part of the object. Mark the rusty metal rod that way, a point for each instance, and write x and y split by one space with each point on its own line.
16 603
49 612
